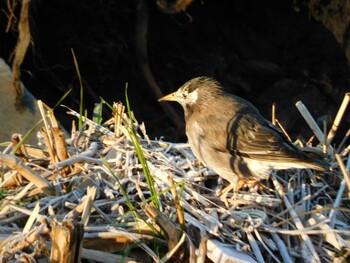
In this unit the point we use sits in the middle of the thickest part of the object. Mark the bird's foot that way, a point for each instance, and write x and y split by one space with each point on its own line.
251 184
224 192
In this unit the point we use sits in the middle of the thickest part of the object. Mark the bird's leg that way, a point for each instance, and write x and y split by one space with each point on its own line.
224 192
235 186
252 184
246 183
239 185
226 189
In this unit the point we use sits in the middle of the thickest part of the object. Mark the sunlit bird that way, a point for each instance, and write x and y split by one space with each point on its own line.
229 135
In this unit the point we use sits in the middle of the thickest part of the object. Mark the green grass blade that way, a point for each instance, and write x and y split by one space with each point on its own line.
81 106
128 203
135 141
25 137
61 99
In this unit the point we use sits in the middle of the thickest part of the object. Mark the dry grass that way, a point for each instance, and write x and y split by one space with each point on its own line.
88 198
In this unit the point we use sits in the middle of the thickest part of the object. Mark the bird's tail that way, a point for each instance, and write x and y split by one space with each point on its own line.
318 165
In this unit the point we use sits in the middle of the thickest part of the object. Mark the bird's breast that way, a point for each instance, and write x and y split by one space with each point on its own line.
195 135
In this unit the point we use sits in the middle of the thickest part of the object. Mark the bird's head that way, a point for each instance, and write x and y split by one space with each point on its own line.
194 91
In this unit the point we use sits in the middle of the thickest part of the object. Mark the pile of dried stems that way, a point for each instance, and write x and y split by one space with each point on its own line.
88 197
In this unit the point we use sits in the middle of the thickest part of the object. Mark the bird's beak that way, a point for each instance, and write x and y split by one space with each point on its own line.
169 97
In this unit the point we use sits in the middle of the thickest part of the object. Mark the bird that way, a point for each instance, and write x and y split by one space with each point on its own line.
228 134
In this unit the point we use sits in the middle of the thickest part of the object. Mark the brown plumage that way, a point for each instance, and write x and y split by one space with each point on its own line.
228 134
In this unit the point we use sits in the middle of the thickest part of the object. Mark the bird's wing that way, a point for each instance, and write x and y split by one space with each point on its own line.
252 136
248 135
242 134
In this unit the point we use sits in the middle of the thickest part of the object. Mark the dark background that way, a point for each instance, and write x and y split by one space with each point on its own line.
265 51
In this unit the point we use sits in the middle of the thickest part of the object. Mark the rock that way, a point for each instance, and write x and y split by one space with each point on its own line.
12 119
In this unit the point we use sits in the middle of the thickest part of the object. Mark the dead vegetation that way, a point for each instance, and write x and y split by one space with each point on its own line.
89 198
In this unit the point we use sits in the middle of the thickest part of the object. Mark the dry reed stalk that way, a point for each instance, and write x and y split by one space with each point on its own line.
170 229
48 138
84 156
96 126
84 205
325 143
341 144
32 218
26 212
331 237
312 124
24 192
310 140
282 248
338 199
221 252
118 118
49 145
344 171
16 164
254 245
21 152
38 153
273 115
60 143
283 130
90 197
21 241
121 237
296 220
338 118
174 250
100 256
66 242
10 179
124 237
53 136
346 151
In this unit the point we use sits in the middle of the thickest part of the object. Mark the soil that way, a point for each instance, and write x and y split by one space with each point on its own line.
265 51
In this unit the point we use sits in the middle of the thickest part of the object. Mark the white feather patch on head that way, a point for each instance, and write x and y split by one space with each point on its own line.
188 97
193 96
